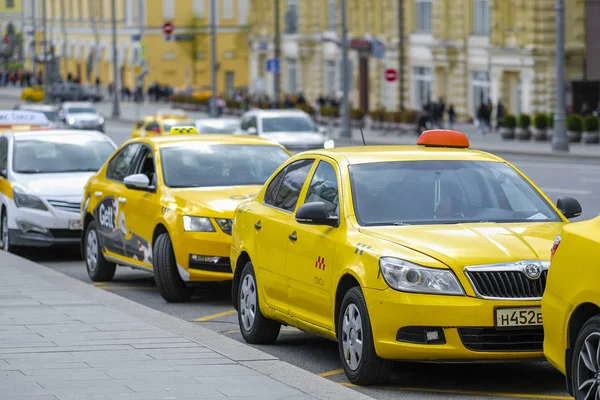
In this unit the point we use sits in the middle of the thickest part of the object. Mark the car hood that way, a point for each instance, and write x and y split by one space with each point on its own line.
218 202
461 245
290 138
84 117
55 185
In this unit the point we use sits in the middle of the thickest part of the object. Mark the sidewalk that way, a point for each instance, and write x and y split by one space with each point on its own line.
64 339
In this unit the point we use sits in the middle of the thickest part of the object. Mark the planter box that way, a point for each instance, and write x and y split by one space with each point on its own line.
539 134
523 134
574 136
507 133
591 137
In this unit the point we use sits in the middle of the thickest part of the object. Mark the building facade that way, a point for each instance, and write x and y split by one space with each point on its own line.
11 28
463 51
79 33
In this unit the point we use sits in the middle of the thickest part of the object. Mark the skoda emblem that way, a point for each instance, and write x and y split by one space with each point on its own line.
532 271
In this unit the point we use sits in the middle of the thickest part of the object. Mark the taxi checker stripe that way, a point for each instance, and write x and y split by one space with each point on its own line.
361 247
320 263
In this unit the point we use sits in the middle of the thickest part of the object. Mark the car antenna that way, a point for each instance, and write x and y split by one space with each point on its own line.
363 136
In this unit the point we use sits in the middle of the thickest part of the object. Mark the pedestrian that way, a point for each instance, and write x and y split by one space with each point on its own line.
499 114
481 118
451 116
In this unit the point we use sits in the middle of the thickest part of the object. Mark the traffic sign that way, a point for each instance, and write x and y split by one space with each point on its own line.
168 28
390 75
272 65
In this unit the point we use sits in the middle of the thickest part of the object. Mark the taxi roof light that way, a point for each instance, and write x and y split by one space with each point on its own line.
183 130
443 138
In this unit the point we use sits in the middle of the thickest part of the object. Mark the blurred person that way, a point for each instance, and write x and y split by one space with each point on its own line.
451 116
499 114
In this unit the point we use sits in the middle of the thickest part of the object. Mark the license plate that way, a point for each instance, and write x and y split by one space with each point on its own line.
75 225
516 317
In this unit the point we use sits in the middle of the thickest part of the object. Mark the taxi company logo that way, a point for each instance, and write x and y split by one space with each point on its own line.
320 264
532 271
107 216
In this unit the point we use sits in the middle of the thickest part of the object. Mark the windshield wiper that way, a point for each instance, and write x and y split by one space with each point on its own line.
80 170
29 171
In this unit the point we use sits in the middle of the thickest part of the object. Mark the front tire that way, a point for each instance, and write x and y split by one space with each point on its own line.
254 326
6 246
361 363
585 363
98 268
170 285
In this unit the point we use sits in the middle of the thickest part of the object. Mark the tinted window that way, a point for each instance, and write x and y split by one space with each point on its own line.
288 124
80 110
209 165
433 192
152 125
289 190
324 188
3 154
145 165
58 154
118 167
271 193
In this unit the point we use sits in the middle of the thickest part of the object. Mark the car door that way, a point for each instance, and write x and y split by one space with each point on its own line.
111 209
271 221
142 207
309 261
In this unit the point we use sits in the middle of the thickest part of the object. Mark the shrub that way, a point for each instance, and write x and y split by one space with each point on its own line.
509 121
590 123
540 121
574 123
357 114
411 116
524 121
331 112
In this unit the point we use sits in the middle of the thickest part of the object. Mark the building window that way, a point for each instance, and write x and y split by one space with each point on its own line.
480 90
330 78
228 10
229 83
168 9
481 17
198 8
291 17
10 3
331 15
422 79
423 15
292 76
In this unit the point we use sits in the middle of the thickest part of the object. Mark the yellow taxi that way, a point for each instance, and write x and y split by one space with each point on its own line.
33 93
427 252
571 307
164 205
23 120
160 123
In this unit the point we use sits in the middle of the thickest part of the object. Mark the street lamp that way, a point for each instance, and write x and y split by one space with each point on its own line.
345 132
559 136
213 57
116 109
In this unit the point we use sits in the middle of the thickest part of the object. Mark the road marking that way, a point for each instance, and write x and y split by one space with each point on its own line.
331 373
99 283
217 315
125 287
565 191
465 392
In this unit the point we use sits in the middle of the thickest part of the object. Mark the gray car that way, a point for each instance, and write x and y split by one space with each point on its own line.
293 129
81 115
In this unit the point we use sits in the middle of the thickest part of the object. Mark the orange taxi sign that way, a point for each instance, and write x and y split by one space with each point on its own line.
443 138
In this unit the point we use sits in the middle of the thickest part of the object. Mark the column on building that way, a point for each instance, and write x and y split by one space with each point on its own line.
527 82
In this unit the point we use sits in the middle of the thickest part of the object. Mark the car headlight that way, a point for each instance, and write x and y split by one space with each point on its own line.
408 277
197 224
329 144
71 121
24 200
225 225
100 120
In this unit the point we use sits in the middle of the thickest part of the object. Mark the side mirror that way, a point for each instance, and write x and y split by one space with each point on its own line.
569 207
137 181
316 214
252 131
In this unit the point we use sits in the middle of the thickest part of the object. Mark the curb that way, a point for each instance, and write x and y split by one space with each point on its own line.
241 353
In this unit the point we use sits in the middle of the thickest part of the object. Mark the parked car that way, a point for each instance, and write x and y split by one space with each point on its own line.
81 115
68 91
218 125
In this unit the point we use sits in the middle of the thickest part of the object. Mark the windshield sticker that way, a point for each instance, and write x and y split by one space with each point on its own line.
360 248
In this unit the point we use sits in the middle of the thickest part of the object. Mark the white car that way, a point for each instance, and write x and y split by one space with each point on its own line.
42 176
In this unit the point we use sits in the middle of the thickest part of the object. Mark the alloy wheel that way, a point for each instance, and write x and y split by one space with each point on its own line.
5 243
352 336
587 378
248 302
92 250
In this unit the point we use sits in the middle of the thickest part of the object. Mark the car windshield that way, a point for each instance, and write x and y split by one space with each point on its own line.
288 124
218 127
169 124
58 154
209 165
80 110
442 192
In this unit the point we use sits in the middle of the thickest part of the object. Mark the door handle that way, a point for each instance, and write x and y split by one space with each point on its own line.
121 199
293 237
98 194
258 226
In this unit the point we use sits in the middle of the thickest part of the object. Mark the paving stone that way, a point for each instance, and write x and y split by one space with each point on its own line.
29 368
123 326
66 374
216 370
199 361
16 345
183 356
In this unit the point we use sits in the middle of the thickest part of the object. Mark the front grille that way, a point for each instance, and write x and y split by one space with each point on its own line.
66 205
507 284
222 266
510 340
65 233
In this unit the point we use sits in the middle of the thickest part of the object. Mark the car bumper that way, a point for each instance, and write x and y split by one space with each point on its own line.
55 237
465 326
204 257
555 312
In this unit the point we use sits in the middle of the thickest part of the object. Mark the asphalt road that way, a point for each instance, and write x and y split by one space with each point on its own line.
212 308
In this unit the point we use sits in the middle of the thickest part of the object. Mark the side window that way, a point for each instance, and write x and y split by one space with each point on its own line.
324 188
271 193
153 127
145 165
118 167
289 190
3 154
252 123
244 123
139 124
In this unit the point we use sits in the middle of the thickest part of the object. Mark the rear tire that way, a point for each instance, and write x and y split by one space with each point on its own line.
361 363
585 366
98 268
254 326
170 285
6 246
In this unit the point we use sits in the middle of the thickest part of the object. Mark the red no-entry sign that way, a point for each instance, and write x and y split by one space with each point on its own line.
391 75
168 28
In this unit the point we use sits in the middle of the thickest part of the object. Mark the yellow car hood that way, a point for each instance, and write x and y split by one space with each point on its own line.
460 245
214 201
